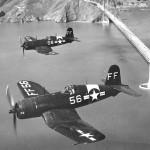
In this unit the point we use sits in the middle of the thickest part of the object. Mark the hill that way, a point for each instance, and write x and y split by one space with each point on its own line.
55 10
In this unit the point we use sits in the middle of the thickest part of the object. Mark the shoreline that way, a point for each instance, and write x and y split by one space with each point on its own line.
120 8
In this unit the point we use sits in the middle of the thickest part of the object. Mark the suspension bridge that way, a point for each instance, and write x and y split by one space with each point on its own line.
135 41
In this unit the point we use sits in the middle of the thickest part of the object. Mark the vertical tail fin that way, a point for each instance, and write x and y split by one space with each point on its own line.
114 80
113 76
69 33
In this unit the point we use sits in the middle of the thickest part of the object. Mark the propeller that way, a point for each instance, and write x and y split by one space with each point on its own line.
9 97
23 51
22 44
13 106
20 40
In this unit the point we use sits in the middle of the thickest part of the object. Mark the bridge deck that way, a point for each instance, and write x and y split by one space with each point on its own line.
135 41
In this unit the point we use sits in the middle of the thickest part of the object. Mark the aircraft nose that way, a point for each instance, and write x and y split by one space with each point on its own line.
23 45
20 111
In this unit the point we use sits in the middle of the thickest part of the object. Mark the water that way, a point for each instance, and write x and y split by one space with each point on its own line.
123 119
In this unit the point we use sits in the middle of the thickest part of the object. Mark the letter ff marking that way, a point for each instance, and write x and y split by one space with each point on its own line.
30 92
109 75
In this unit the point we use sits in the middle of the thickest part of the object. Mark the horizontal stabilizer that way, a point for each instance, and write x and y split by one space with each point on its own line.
126 89
52 53
74 39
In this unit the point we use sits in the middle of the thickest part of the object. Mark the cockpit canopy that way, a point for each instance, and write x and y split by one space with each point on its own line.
70 89
29 38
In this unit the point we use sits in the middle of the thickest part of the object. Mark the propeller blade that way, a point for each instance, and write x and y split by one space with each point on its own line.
20 40
25 38
15 122
9 97
23 51
13 108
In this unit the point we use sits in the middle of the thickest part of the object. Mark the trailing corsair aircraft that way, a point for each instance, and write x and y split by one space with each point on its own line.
58 109
43 46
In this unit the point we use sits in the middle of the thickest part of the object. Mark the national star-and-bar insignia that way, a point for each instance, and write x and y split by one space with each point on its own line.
87 135
93 92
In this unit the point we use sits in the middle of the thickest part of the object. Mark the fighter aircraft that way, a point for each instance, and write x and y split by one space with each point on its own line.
43 46
58 109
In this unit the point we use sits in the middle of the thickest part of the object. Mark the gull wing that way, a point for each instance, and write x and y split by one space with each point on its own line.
68 123
31 89
45 50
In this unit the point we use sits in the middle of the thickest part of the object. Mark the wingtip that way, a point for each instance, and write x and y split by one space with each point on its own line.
7 88
78 143
137 95
75 144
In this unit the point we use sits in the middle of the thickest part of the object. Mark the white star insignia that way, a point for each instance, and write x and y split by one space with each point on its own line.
94 95
87 135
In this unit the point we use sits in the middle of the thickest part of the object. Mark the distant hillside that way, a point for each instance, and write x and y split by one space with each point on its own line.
55 10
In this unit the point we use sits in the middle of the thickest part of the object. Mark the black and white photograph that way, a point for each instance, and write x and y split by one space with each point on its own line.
75 74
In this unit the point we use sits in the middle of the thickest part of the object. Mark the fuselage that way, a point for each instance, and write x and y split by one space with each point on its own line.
50 41
73 96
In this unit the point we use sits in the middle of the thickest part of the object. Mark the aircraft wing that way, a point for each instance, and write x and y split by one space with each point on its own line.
45 50
31 89
68 123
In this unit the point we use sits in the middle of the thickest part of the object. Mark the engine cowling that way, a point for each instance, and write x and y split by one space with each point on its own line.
33 107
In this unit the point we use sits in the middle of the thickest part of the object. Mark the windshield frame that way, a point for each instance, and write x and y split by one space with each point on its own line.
70 89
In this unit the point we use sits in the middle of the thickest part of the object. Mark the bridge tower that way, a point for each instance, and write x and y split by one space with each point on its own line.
135 41
146 85
104 19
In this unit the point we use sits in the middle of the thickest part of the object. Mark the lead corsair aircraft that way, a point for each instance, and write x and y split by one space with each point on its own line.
43 46
58 109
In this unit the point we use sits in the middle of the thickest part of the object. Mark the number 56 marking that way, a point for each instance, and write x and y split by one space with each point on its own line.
75 99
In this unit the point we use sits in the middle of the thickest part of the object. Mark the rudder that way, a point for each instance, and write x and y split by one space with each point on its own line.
69 33
113 76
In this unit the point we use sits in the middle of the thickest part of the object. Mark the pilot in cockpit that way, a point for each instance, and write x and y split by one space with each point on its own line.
71 89
48 38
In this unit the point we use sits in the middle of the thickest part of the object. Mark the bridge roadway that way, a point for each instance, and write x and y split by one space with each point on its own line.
135 41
